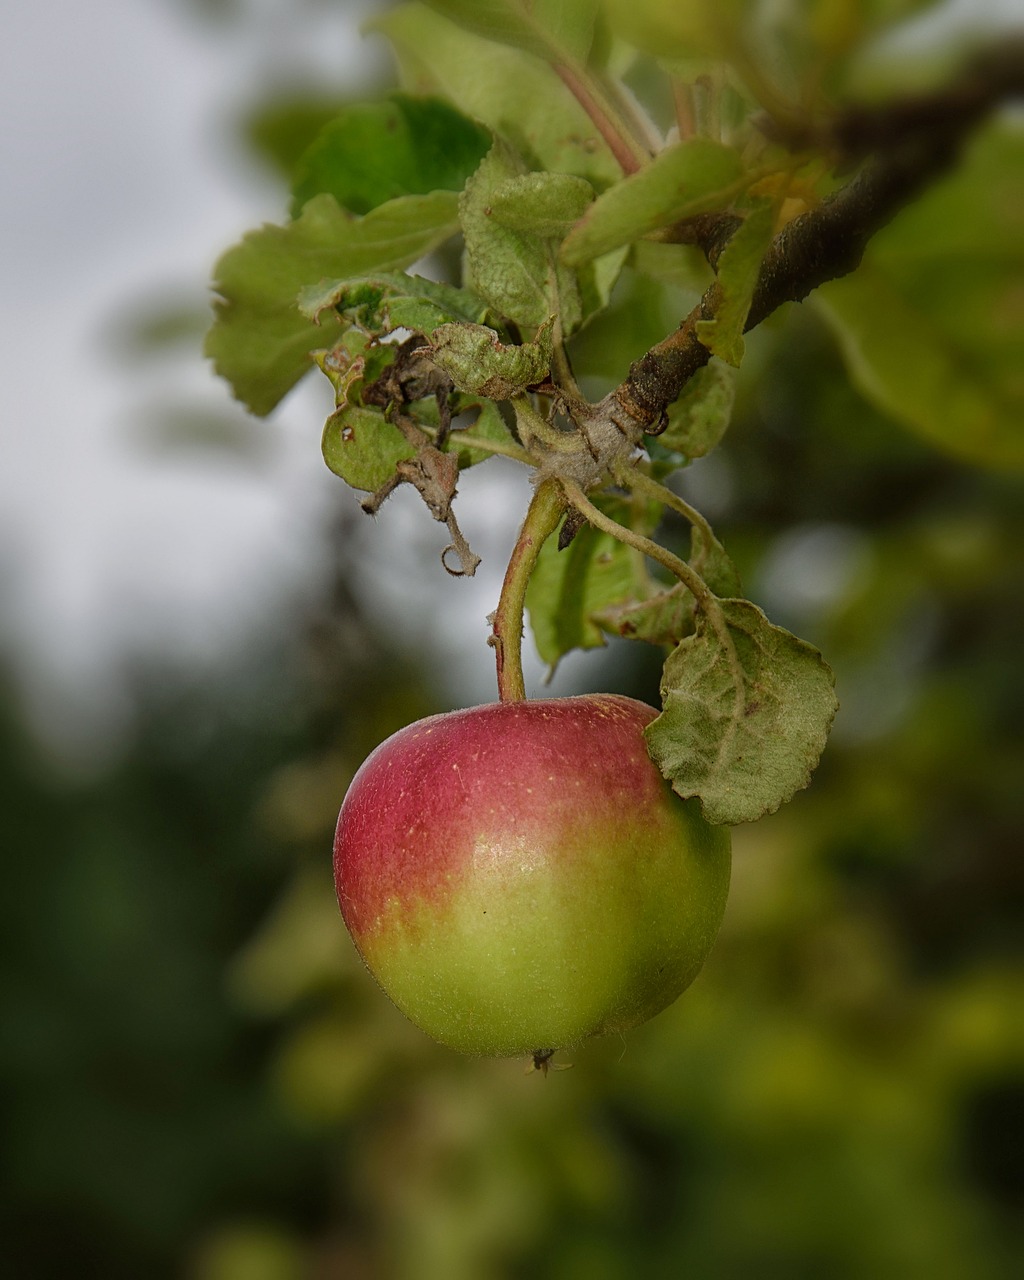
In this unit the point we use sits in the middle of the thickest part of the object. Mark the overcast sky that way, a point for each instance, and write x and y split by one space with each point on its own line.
121 188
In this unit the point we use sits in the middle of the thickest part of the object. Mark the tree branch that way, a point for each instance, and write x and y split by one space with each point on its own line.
910 142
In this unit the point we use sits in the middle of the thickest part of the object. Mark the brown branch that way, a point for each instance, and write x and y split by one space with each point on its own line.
992 75
912 142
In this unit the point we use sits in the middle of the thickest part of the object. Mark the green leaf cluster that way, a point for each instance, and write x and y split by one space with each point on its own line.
575 225
260 341
383 303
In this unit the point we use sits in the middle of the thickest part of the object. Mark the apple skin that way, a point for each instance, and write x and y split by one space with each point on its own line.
519 876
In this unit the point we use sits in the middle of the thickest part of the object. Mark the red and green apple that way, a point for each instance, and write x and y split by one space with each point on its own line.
519 876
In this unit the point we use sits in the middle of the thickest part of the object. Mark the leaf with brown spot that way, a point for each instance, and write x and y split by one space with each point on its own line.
747 710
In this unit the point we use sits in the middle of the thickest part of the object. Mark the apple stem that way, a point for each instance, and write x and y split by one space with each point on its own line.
542 517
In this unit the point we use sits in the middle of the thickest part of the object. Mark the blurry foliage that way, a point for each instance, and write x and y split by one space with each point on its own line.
198 1078
282 129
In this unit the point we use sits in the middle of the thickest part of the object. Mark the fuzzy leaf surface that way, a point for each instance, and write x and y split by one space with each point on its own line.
692 177
515 272
545 205
664 618
260 341
714 564
745 716
389 301
478 362
374 151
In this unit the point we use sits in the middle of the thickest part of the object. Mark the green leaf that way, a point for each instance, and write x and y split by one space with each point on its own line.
699 418
281 129
514 94
664 618
930 324
738 269
680 28
640 312
389 301
682 265
260 342
693 177
545 205
361 447
559 30
713 563
516 273
567 588
598 279
747 710
902 360
374 151
478 362
489 425
667 616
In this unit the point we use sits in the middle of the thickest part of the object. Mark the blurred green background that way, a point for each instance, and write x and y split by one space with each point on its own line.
198 1079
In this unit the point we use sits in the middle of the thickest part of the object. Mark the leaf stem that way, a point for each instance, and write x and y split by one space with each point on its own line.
465 439
634 478
609 125
686 121
707 601
542 517
689 577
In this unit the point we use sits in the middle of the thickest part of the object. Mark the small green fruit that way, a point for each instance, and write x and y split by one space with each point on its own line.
519 876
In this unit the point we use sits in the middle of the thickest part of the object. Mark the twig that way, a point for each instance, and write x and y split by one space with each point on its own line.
829 241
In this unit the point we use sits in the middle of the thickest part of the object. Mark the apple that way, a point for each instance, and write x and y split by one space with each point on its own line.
519 876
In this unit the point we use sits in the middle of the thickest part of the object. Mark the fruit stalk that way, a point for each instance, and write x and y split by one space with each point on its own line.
542 519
